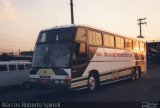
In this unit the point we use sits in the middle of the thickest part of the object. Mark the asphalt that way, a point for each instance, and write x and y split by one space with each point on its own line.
146 89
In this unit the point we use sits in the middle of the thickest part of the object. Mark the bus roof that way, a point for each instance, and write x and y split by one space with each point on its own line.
91 27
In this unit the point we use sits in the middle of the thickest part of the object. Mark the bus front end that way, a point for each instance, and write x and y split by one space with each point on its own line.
51 65
50 78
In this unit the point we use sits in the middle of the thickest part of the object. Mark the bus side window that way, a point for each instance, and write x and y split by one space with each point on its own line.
95 38
27 66
21 67
3 67
79 53
81 34
128 44
12 67
142 46
119 42
136 45
108 40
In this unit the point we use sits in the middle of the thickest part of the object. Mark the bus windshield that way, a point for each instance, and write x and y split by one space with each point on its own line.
53 47
56 35
52 55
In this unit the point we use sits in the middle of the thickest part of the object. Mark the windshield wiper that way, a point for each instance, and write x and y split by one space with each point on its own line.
45 59
55 58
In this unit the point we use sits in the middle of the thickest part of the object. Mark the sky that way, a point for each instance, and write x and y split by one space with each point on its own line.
22 20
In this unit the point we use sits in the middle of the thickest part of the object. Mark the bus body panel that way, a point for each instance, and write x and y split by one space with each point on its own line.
112 64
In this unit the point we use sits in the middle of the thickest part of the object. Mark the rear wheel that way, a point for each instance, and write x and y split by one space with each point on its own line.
136 74
93 82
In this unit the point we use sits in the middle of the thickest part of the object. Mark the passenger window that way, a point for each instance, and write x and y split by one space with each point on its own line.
111 41
142 46
108 40
119 42
21 67
81 34
135 45
79 53
128 44
95 38
28 66
12 67
3 68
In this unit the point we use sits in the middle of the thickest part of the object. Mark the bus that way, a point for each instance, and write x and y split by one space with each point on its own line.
79 57
14 73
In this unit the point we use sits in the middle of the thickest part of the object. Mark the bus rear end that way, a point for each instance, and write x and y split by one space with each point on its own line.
51 66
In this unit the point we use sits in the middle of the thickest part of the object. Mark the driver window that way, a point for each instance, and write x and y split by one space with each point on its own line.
79 53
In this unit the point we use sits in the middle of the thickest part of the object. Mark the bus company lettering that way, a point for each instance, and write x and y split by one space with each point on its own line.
109 54
124 55
112 54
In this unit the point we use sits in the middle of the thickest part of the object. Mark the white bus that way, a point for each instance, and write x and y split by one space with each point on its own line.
13 73
79 57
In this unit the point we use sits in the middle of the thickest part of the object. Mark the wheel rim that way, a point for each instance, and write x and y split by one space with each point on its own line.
92 83
137 74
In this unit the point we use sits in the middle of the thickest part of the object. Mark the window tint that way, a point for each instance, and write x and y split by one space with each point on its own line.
3 68
61 34
108 40
28 66
43 38
142 46
111 41
79 54
119 42
128 44
95 38
81 34
79 50
135 45
21 67
12 67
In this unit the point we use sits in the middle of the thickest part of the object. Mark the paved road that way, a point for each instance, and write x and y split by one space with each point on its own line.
146 89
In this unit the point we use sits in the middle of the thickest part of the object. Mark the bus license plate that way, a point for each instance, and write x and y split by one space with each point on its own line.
44 81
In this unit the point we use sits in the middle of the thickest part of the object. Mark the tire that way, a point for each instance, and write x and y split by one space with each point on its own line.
93 82
136 74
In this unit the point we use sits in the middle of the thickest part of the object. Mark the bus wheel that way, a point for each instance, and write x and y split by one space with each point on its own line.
135 75
93 82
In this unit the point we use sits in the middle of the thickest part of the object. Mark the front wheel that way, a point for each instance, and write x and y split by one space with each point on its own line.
93 82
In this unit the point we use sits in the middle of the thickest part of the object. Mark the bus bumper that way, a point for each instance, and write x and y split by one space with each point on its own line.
50 83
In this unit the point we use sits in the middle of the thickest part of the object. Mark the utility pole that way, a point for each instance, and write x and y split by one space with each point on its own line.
72 14
140 26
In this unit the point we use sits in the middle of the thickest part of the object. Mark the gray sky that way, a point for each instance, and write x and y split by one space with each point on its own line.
21 20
